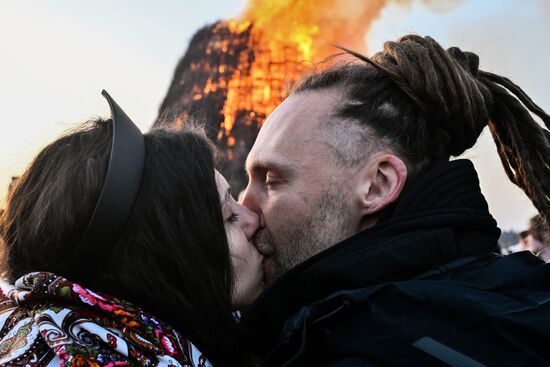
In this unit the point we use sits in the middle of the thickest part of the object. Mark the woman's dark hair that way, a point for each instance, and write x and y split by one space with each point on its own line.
428 104
172 258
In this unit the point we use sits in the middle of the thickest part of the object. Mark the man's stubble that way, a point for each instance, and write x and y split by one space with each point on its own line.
298 239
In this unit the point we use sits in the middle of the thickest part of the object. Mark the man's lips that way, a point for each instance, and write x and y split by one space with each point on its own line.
263 252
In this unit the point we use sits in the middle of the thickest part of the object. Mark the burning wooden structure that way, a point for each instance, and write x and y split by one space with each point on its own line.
218 82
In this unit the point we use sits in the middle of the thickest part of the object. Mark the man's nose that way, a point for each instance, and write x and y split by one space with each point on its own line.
246 198
250 200
249 221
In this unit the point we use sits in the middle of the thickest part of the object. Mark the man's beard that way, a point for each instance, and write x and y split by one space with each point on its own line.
328 223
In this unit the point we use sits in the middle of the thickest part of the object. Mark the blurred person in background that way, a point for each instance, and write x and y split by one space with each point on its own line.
537 239
520 246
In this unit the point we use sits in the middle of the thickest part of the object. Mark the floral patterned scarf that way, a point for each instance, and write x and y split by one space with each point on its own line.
46 320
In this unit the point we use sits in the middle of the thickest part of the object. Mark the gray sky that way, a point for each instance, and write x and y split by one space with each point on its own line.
56 56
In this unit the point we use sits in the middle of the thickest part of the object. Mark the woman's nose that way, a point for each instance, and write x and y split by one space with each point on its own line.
248 220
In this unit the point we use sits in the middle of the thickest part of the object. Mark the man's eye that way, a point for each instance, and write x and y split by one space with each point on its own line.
270 180
233 218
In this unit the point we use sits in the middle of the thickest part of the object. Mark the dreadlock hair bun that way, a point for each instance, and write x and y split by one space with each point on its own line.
443 84
468 60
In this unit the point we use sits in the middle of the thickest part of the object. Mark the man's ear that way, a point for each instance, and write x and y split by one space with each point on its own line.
381 181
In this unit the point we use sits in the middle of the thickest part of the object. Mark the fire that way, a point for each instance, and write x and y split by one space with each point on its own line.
286 36
311 26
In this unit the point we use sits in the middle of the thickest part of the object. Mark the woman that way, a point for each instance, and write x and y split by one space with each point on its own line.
160 288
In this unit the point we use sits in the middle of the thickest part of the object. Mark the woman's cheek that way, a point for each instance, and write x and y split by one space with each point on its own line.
230 237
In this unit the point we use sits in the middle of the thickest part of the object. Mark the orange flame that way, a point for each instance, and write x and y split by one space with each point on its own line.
286 36
312 26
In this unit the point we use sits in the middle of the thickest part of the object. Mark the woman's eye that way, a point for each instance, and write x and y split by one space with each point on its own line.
233 218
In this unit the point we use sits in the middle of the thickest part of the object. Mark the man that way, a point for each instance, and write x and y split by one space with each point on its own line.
378 250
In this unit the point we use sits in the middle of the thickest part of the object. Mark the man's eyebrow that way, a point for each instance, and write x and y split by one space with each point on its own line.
257 165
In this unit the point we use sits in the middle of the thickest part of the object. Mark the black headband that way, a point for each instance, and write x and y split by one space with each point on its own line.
117 196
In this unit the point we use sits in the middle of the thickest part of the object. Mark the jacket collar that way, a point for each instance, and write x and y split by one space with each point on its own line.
442 216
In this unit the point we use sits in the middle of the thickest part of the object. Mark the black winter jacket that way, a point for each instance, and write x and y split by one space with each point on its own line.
425 287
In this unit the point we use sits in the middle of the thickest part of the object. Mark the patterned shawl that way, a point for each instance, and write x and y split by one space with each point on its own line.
46 320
